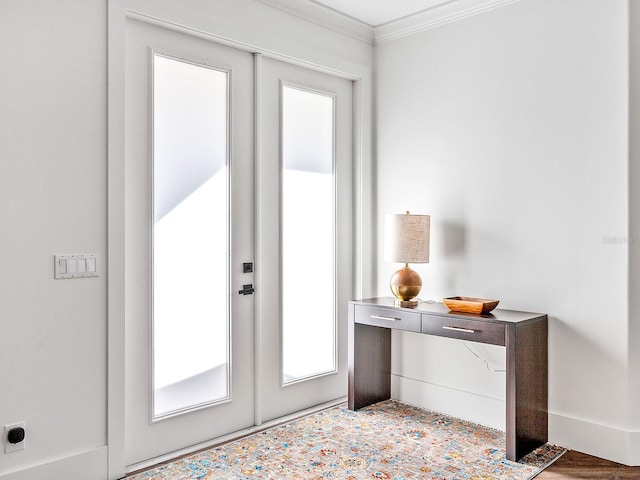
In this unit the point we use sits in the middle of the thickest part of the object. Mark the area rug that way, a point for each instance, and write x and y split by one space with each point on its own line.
389 440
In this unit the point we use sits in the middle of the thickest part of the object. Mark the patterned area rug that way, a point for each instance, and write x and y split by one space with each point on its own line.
388 440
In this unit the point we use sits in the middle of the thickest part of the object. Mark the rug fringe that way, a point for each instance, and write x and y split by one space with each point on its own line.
548 464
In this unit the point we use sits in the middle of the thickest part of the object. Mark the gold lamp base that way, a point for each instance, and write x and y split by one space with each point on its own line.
406 285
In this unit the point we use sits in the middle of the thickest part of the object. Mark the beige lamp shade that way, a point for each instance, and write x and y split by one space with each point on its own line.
406 238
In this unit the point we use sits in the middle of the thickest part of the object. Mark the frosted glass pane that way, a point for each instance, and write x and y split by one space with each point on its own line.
190 314
308 265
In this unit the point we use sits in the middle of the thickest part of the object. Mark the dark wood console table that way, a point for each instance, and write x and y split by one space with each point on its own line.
523 334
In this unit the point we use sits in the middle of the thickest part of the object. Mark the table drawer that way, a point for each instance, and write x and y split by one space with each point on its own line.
464 329
388 318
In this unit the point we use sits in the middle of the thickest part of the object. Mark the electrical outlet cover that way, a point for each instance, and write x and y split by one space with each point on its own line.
13 447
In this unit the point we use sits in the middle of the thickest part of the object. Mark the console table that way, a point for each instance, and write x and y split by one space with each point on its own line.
523 334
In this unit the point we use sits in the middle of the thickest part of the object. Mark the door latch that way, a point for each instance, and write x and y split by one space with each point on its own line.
246 289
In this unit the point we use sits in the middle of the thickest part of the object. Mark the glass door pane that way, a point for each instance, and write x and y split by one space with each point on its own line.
190 236
308 234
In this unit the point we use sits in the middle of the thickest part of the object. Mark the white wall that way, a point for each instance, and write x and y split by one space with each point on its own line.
510 128
53 200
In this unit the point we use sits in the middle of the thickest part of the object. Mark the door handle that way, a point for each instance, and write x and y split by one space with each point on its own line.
247 289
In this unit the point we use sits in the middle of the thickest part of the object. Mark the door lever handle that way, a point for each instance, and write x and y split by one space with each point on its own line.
247 289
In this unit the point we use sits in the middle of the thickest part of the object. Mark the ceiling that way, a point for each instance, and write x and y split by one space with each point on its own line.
380 12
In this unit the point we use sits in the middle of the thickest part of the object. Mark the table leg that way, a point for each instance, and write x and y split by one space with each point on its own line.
369 364
527 383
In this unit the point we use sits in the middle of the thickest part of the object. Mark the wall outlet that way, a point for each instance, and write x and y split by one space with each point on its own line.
13 447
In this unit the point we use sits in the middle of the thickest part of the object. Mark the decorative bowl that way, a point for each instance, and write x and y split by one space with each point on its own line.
470 304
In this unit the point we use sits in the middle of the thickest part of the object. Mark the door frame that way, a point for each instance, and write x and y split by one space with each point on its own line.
167 16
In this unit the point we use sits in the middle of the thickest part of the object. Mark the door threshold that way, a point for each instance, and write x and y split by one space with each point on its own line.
178 454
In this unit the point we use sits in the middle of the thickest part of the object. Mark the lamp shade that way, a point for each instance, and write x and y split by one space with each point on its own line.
406 238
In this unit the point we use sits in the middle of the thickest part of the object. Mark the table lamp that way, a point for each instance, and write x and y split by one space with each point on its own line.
406 240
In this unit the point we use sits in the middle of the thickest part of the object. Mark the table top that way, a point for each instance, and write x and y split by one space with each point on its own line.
437 308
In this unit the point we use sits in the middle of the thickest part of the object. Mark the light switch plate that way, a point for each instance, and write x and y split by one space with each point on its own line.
77 265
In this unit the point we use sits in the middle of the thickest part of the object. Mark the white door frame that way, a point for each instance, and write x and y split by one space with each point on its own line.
154 12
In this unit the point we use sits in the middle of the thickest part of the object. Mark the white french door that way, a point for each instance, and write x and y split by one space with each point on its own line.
305 219
204 207
189 227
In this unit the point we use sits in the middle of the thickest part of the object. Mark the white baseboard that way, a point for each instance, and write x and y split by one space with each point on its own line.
602 441
634 449
611 443
457 403
91 465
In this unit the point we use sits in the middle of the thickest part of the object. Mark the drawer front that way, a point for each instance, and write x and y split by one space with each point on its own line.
388 318
464 329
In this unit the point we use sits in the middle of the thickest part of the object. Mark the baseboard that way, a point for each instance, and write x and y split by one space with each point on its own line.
604 441
457 403
90 465
634 449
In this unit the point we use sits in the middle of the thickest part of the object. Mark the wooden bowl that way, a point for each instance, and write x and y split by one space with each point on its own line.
470 304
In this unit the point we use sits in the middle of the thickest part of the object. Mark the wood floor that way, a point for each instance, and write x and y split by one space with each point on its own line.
574 465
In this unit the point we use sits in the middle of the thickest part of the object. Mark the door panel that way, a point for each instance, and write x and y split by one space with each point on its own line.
189 227
304 182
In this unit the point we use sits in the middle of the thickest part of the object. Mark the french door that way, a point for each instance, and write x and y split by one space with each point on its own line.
212 215
188 229
305 242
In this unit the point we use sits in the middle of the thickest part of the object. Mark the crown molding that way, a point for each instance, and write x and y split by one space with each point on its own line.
326 17
447 12
434 17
